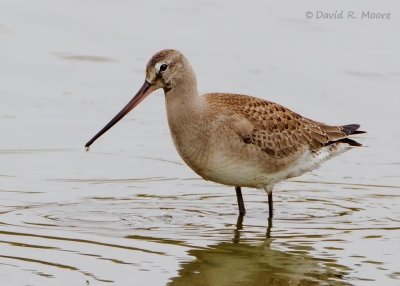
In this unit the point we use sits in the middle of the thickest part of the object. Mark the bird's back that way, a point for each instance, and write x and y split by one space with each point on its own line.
275 129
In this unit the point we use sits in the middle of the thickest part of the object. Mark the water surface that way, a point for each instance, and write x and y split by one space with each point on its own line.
129 212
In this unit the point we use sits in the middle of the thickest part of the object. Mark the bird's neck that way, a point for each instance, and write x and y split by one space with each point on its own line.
183 101
185 112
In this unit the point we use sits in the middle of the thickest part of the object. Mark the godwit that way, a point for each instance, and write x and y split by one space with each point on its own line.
234 139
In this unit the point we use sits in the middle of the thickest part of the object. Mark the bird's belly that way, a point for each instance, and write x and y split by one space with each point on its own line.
233 171
245 172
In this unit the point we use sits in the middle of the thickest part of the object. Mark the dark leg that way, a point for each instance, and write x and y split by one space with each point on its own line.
242 210
270 204
268 189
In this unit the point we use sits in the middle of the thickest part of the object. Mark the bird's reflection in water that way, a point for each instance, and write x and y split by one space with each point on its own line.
239 227
244 263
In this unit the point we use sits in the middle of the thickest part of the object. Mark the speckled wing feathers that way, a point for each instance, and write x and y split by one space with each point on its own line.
277 130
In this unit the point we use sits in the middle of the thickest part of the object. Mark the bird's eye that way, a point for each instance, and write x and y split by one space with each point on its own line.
163 67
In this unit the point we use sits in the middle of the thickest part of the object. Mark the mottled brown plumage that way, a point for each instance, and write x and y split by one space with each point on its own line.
277 130
233 139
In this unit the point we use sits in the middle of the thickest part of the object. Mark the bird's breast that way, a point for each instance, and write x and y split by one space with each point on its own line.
217 157
191 139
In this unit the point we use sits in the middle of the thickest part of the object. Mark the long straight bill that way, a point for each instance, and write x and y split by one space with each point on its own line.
144 91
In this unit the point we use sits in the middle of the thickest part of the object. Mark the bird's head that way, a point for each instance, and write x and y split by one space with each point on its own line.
167 69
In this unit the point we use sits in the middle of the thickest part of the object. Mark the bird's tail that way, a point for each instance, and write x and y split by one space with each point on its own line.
346 130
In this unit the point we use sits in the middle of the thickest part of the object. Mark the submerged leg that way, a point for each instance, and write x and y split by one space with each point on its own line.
239 227
242 210
268 234
268 189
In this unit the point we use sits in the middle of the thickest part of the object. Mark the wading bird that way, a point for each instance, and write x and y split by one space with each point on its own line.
233 139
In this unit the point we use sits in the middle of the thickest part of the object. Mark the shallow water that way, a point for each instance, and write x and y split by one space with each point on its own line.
129 212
